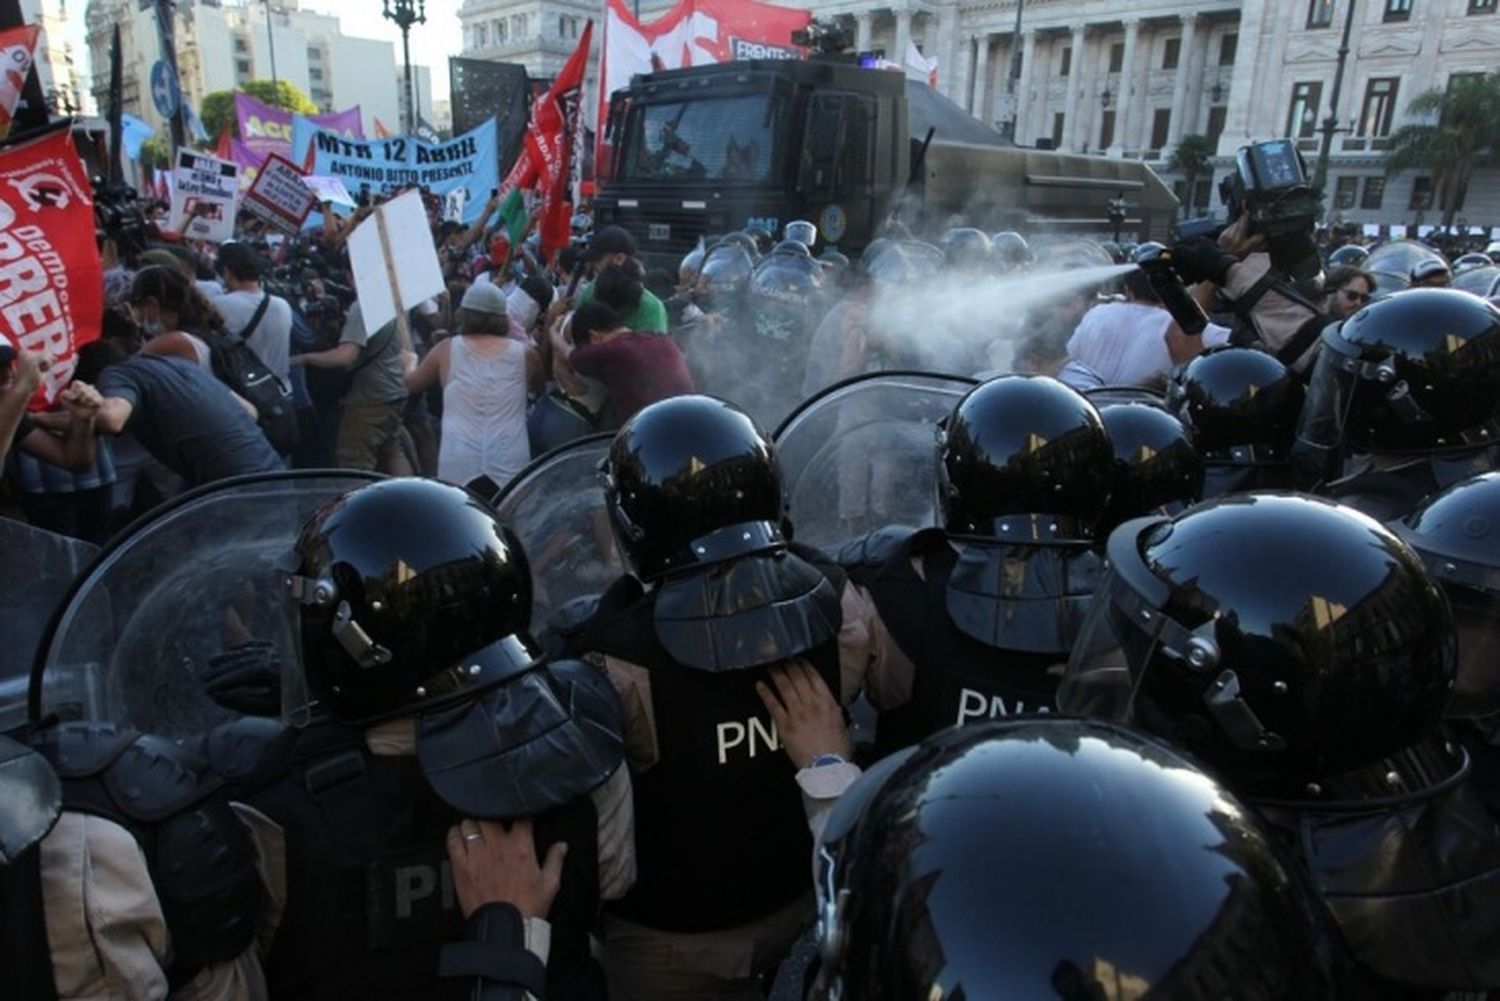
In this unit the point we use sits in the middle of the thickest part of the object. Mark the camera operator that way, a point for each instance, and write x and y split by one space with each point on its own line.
1265 263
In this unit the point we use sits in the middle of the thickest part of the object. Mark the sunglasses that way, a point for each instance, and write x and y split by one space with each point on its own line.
1354 296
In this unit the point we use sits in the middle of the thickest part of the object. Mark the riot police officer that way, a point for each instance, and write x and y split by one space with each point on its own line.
1402 401
1241 407
719 593
1300 652
785 302
976 617
1157 469
432 716
30 802
1053 858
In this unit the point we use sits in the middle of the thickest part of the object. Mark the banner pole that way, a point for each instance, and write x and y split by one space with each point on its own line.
403 323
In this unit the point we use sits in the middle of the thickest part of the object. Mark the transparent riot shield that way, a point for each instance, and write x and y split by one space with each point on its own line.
1391 263
862 455
184 621
40 567
556 505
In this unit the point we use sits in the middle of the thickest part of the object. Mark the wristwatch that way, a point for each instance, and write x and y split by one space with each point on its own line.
824 760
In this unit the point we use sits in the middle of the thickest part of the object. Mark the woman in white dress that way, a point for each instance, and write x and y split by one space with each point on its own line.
486 377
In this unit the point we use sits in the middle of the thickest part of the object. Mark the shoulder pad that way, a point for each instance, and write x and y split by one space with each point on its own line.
863 556
235 750
156 778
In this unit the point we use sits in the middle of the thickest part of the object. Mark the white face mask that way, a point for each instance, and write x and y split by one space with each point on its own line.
152 326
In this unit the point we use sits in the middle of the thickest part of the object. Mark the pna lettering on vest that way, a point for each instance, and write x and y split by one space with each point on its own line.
751 736
974 705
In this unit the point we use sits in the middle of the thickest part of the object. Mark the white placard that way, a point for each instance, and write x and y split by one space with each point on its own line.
203 193
384 252
1424 231
329 189
279 196
1370 229
1398 231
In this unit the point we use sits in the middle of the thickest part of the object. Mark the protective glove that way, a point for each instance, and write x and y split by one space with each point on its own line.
1202 260
246 678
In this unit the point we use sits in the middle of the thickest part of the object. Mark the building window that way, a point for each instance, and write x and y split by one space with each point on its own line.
1067 61
1397 10
481 36
1057 130
562 26
1161 125
313 73
1117 57
1345 192
1421 194
1302 116
1215 127
1320 13
1107 129
240 45
314 55
1463 79
1379 107
1482 6
1228 46
1374 193
242 67
501 31
1171 54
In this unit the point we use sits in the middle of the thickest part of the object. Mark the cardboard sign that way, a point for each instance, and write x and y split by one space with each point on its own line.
1370 229
329 189
1398 231
392 272
203 192
279 197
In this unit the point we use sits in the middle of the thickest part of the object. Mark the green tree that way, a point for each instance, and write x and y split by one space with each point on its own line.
217 109
157 151
1192 158
1460 134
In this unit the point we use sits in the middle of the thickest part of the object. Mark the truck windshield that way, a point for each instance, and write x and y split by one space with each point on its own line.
718 139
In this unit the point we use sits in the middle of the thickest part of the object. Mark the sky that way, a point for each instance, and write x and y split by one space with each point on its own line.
431 43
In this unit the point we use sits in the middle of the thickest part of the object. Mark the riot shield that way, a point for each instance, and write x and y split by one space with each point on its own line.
1482 281
556 506
39 569
1391 263
862 455
184 621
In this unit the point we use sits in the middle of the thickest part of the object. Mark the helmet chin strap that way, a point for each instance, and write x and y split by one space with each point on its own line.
355 641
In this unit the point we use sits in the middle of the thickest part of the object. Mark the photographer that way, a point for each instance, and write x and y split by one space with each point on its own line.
1265 265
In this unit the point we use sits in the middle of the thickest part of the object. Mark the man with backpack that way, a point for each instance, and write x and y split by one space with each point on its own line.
270 337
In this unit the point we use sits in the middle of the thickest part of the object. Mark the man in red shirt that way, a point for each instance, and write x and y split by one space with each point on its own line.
636 369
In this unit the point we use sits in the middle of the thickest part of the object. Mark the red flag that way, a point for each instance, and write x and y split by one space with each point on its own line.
52 286
549 145
224 147
381 132
17 50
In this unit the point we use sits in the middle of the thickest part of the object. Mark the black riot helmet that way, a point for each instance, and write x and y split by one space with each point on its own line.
1016 860
1157 469
1348 255
412 596
1413 373
761 238
1011 251
692 480
1024 459
724 275
1284 640
1240 404
1457 535
692 266
967 249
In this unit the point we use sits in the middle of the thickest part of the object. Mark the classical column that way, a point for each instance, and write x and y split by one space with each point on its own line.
1125 100
1094 64
1075 84
903 37
862 25
1022 108
1179 85
978 86
945 50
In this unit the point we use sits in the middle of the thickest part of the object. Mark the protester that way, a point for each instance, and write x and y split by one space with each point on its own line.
611 247
252 314
1347 290
486 377
635 369
174 317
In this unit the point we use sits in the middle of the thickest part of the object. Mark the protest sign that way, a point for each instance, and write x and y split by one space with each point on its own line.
17 52
330 190
203 192
52 285
279 197
392 274
267 129
385 166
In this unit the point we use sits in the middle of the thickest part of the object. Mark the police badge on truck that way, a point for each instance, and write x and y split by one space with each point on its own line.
741 48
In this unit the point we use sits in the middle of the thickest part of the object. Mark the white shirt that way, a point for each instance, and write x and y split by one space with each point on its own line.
271 340
1125 343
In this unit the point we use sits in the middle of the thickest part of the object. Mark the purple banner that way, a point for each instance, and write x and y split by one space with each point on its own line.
249 162
266 129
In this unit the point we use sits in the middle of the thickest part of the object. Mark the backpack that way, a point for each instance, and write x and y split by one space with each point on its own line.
241 369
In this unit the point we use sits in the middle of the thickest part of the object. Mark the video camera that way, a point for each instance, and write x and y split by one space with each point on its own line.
1270 186
823 38
118 217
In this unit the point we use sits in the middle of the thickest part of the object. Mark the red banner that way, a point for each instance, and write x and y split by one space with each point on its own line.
17 51
693 33
51 280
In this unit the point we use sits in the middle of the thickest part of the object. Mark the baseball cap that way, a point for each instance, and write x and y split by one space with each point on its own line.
610 240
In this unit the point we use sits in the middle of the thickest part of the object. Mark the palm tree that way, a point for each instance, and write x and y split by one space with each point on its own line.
1461 134
1192 158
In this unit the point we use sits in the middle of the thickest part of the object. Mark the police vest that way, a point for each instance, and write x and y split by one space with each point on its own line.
370 899
958 679
721 834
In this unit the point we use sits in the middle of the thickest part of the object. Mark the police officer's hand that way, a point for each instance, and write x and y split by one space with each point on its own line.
808 718
495 863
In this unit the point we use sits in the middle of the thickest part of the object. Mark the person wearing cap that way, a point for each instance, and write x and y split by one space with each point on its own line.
1432 272
613 246
262 320
486 377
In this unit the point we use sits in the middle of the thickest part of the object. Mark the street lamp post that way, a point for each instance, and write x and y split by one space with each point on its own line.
407 13
1331 123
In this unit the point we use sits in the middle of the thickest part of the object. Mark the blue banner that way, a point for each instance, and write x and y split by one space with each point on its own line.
463 170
